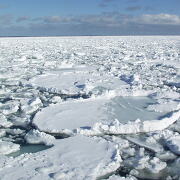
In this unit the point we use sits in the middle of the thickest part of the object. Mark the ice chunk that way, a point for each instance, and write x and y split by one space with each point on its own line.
146 143
156 165
4 122
176 126
20 121
166 156
143 166
2 132
56 99
174 144
31 105
36 137
15 131
9 107
8 147
174 168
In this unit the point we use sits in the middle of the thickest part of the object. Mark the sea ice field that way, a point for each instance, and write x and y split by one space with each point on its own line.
90 108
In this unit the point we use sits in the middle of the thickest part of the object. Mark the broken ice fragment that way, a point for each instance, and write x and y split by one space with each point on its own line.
8 147
4 122
174 144
37 137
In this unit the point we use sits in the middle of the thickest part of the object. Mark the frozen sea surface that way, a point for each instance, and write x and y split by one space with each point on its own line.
90 108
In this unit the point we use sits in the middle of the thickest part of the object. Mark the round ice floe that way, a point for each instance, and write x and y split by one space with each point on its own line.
71 158
85 113
8 147
76 80
67 81
71 115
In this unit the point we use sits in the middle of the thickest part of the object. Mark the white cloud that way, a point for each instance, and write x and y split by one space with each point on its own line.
111 23
167 19
56 19
117 19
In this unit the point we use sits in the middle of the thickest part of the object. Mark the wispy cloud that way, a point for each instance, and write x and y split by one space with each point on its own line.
133 8
23 18
6 19
52 19
106 3
159 19
115 18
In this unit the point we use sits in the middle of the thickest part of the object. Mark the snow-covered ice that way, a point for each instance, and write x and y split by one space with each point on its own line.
57 94
70 115
36 137
71 158
174 144
76 80
61 117
8 147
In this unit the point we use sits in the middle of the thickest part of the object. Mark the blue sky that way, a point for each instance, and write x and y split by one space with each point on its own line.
89 17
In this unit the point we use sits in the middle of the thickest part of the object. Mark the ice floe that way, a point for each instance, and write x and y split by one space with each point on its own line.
77 80
70 115
71 158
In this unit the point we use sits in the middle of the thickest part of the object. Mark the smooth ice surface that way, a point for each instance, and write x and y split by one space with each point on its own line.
131 108
71 115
